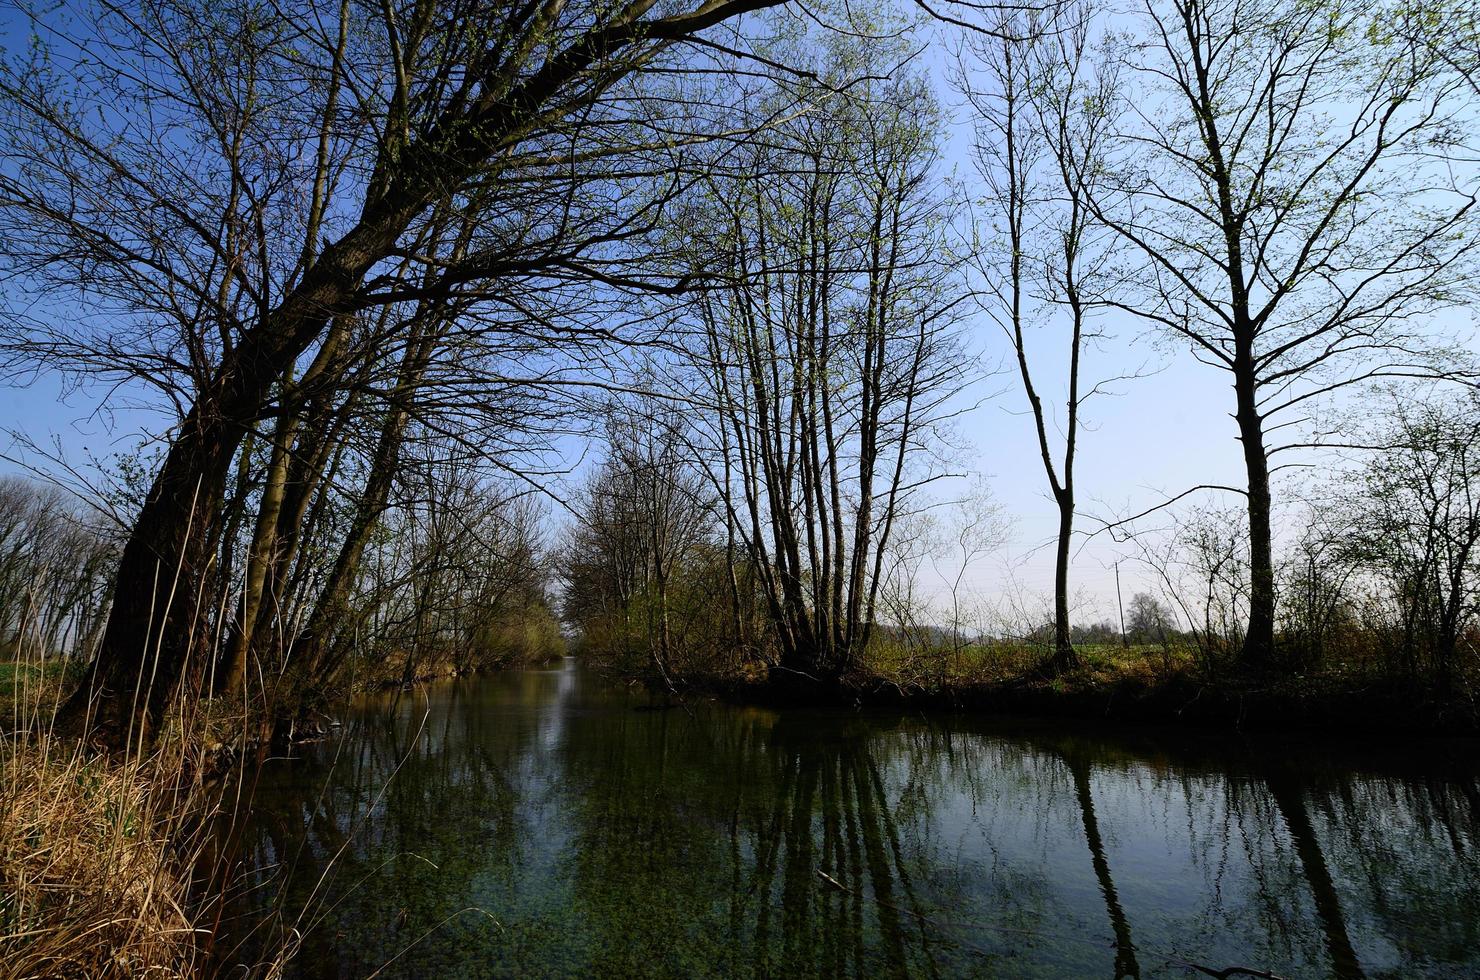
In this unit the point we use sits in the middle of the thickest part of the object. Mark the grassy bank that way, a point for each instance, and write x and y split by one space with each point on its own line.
1114 684
101 854
94 864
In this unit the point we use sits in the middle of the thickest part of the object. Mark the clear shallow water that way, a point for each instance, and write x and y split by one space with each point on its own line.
553 823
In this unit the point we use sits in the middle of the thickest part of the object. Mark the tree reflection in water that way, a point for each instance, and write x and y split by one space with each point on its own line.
550 823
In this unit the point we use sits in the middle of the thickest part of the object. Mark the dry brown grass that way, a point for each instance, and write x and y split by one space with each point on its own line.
97 851
94 880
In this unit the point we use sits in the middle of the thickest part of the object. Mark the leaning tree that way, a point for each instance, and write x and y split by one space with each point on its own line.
210 197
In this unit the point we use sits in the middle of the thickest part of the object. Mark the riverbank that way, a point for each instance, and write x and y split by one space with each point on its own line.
1126 691
532 644
375 683
101 853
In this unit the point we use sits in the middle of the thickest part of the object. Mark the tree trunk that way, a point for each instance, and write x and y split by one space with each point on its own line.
151 643
232 678
1258 649
1064 658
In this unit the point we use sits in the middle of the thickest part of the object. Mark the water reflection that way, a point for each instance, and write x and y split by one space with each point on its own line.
551 823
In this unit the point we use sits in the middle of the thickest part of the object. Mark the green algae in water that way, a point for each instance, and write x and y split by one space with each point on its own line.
545 823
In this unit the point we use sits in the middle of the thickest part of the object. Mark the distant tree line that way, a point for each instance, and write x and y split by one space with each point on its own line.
55 565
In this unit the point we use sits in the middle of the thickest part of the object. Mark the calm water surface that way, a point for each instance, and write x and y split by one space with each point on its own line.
554 823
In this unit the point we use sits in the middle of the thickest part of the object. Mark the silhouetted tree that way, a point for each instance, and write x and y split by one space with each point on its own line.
1295 180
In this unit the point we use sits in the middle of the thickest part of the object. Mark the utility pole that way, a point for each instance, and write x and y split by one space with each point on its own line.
1119 602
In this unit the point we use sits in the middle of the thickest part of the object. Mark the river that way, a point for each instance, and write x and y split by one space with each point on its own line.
557 823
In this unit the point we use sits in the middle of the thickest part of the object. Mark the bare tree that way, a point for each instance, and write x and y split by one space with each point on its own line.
1149 621
643 516
973 526
1318 582
1296 181
827 354
53 572
1415 526
664 499
1041 124
1201 566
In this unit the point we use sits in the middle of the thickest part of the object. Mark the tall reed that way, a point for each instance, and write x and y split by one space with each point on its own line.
105 859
